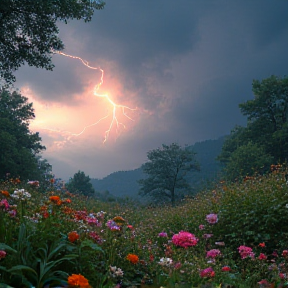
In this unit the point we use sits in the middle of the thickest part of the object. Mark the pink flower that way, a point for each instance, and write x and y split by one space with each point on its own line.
245 252
208 272
207 236
264 282
2 254
226 269
162 234
262 256
201 227
212 218
5 204
282 275
285 253
213 253
12 213
184 239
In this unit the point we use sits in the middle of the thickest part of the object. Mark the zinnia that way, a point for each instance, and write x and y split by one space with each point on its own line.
73 236
208 272
132 258
54 199
184 239
245 252
213 253
79 281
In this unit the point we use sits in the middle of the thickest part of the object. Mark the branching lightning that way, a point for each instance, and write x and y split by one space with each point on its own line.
115 107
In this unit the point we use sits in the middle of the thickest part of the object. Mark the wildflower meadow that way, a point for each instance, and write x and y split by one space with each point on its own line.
235 235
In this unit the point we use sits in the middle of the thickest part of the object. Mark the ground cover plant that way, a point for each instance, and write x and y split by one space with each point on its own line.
235 235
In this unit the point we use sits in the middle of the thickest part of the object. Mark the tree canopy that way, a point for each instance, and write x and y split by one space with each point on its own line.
266 133
80 184
19 148
166 171
29 32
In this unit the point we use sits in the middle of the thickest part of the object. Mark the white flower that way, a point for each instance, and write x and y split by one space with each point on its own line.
21 194
116 272
165 261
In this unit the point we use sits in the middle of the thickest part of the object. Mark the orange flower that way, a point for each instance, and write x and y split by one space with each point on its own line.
54 199
73 236
68 200
132 258
119 220
78 281
262 244
5 193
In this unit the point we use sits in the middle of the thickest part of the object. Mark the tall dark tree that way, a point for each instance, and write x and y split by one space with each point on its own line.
80 184
266 130
29 32
166 171
19 148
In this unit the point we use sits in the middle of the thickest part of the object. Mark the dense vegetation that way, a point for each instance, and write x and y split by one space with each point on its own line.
231 235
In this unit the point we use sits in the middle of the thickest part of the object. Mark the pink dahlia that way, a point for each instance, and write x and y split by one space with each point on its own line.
184 239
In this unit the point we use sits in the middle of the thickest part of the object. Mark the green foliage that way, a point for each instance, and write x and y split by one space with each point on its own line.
80 184
248 159
166 170
19 148
266 132
29 32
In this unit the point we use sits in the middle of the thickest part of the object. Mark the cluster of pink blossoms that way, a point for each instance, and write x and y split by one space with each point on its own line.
184 239
207 272
245 252
213 253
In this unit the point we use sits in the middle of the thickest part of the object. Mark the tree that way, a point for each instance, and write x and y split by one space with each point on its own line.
266 131
19 148
29 32
80 184
166 170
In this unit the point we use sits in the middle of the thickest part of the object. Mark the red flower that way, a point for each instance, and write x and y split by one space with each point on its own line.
262 245
73 236
226 269
262 256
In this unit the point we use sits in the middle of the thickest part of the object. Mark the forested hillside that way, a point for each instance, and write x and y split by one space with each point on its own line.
124 183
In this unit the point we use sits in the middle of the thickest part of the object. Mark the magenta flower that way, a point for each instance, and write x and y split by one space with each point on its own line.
184 239
4 203
213 253
162 234
245 252
212 218
2 254
208 272
201 227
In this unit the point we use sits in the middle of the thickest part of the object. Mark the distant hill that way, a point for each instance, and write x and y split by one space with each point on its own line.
124 183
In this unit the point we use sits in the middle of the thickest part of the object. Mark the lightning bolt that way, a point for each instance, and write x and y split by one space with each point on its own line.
115 106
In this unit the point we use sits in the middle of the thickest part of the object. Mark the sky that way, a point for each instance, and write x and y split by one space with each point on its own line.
160 72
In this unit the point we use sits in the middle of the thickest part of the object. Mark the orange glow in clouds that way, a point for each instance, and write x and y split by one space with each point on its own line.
52 115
